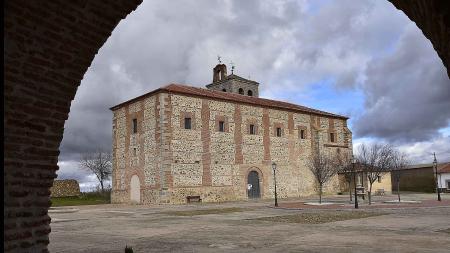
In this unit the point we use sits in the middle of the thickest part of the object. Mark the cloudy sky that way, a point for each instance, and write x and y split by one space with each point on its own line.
364 59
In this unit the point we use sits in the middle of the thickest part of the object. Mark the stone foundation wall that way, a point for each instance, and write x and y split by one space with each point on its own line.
65 188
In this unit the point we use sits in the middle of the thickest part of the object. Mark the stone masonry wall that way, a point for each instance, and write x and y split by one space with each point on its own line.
214 165
65 188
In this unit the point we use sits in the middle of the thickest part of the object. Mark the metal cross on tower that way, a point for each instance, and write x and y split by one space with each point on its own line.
232 67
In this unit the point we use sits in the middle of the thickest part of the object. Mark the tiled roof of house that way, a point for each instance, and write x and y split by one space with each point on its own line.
227 96
444 168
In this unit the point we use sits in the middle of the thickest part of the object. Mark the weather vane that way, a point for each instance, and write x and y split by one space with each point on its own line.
218 58
232 67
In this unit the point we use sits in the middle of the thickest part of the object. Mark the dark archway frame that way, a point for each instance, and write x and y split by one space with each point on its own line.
49 45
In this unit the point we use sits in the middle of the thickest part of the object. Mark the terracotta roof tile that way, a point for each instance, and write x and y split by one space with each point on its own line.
201 92
444 168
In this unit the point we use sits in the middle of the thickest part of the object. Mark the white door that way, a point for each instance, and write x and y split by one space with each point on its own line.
135 190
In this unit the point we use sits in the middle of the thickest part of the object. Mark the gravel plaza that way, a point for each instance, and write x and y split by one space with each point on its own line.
256 227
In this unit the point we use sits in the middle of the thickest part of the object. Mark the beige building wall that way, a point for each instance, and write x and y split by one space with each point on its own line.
172 162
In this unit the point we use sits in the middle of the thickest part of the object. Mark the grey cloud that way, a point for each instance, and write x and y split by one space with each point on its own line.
407 93
279 43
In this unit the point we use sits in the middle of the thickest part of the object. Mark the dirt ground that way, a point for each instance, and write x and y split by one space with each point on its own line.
255 227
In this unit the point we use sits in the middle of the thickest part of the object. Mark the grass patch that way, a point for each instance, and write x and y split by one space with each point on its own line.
86 198
206 211
322 217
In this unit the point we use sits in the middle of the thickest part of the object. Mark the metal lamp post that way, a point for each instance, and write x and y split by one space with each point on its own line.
274 167
437 180
354 181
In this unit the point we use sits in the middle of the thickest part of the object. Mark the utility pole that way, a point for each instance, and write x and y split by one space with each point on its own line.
437 180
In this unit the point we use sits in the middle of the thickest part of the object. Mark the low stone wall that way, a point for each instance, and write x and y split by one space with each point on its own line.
65 188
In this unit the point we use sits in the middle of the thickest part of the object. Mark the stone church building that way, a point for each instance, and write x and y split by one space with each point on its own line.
180 143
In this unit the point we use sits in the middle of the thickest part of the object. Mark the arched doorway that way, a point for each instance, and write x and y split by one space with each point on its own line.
253 189
135 189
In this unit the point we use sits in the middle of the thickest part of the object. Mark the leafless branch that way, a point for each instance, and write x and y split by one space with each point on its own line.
99 163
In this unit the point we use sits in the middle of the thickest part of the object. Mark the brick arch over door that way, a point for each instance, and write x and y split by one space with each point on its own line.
263 184
49 45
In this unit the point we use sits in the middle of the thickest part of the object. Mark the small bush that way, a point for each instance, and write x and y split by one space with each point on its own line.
128 249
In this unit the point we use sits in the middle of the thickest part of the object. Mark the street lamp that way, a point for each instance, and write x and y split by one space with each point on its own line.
437 181
354 181
274 167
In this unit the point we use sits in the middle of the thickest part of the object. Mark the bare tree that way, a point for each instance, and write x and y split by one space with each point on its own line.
399 162
374 160
99 163
323 167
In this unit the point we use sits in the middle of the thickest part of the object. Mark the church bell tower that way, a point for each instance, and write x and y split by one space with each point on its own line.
232 83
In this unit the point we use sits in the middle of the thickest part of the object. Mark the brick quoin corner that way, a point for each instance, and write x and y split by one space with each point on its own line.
49 45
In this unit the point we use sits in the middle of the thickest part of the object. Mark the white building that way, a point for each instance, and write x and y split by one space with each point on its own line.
444 177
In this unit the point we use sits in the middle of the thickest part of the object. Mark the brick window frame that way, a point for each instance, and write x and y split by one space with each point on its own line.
226 125
134 126
184 115
332 137
278 125
253 122
305 132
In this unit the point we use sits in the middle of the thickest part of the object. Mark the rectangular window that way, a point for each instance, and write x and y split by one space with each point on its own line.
221 126
302 134
332 137
379 179
252 129
134 126
278 131
134 151
187 123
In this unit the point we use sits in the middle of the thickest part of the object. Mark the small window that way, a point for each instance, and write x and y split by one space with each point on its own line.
134 151
379 179
134 126
302 134
224 90
252 129
278 131
332 137
187 123
241 91
250 93
221 126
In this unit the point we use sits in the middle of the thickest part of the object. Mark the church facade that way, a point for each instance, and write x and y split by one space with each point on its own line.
180 143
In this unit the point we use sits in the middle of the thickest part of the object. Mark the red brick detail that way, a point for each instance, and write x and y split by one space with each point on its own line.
266 136
291 138
313 128
218 119
331 130
158 140
291 122
206 142
237 118
184 115
167 142
253 122
278 125
263 180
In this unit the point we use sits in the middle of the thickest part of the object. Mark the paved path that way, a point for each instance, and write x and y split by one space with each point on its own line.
108 228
